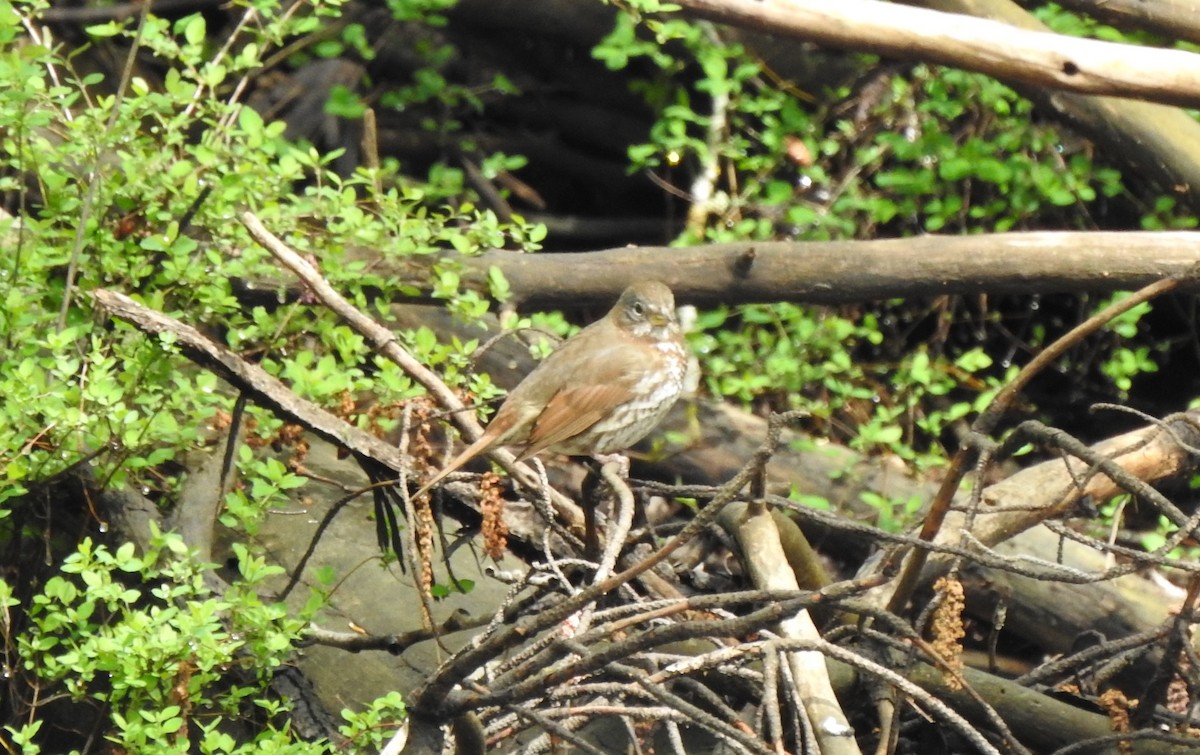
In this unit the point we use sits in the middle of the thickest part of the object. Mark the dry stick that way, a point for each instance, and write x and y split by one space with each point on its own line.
1104 464
764 559
991 416
488 193
999 725
395 644
979 553
906 641
931 703
618 531
564 731
381 337
927 700
266 389
800 721
698 716
553 670
621 523
385 341
1013 55
370 148
1051 672
773 715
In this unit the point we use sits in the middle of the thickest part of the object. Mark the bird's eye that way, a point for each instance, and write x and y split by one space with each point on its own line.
638 308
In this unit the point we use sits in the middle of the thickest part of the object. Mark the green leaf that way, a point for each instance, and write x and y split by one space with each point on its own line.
104 31
194 28
498 285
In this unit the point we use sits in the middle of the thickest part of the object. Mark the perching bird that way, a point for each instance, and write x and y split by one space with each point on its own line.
601 391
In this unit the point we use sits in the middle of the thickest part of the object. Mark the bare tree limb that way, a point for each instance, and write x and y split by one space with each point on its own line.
833 272
1006 52
1063 75
763 555
267 390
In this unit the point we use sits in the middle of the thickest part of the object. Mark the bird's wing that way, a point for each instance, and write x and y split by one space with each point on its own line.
572 411
591 376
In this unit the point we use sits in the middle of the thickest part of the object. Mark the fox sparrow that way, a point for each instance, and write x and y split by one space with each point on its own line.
601 391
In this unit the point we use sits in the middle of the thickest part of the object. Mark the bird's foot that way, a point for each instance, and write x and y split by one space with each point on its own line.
621 460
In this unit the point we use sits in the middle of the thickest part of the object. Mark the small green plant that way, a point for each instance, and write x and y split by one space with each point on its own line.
894 515
170 662
792 357
139 192
370 728
146 640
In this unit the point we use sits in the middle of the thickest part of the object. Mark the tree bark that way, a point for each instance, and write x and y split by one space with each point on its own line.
1038 58
838 272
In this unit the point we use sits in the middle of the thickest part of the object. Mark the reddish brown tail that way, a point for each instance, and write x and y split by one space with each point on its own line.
468 453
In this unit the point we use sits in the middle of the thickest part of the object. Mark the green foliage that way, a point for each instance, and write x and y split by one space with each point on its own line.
798 358
894 515
98 389
369 729
1165 215
169 661
970 160
144 637
270 481
139 192
1126 363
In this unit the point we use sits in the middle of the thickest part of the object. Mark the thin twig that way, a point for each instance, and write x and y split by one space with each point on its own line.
988 420
435 695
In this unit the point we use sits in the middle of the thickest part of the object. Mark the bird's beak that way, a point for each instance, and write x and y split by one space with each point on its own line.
658 320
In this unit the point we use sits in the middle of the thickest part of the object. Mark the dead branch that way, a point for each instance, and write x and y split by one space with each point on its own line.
1124 464
838 272
266 389
763 556
1176 19
1011 54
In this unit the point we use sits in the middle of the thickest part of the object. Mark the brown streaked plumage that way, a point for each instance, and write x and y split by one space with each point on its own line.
601 391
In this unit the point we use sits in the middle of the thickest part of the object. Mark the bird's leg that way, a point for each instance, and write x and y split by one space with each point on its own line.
592 490
595 493
621 460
